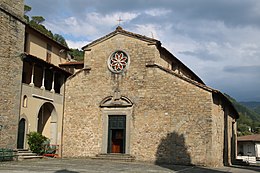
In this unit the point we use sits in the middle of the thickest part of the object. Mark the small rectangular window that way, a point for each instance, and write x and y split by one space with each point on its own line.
48 55
49 47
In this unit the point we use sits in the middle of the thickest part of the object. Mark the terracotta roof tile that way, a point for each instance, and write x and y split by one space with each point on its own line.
72 63
255 137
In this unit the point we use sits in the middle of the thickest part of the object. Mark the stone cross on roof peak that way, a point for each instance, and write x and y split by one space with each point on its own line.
119 20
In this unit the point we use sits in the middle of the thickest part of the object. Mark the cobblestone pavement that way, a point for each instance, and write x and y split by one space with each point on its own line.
101 166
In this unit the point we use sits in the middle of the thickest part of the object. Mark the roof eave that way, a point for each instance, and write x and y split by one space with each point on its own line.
36 59
183 65
200 85
47 37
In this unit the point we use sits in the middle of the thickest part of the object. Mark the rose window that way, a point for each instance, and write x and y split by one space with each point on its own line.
118 61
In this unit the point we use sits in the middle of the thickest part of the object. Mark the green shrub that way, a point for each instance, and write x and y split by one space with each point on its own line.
36 142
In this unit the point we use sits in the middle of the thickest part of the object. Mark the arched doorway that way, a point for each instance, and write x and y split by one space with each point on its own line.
21 134
47 122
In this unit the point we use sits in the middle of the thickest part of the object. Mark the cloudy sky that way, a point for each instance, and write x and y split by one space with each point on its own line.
219 40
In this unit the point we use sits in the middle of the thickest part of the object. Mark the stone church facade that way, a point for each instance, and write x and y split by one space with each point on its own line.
134 97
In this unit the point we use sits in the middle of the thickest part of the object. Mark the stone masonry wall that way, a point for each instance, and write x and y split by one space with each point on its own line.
218 131
175 117
84 92
12 42
15 7
171 119
224 135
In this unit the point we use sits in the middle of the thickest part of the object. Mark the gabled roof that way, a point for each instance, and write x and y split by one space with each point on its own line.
119 30
196 81
255 138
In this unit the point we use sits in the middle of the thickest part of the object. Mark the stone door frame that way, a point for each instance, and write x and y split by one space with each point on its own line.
110 111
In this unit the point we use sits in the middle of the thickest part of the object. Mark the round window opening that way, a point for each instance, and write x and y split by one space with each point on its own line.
118 61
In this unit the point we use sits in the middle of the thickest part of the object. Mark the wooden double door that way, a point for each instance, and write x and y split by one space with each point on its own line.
116 133
21 133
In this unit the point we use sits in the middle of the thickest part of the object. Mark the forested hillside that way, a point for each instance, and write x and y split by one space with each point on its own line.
255 106
249 119
36 23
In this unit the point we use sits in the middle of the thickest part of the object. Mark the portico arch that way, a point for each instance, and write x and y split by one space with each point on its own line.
47 123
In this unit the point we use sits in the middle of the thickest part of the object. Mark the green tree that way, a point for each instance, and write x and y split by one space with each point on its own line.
36 141
77 54
26 10
36 23
60 39
38 19
249 120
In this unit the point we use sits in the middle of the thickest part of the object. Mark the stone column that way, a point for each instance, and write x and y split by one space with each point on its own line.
32 83
63 85
43 78
52 86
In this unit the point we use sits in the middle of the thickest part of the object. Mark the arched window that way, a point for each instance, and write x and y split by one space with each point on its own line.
25 100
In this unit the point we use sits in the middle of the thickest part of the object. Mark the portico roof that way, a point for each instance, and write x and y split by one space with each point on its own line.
254 138
31 58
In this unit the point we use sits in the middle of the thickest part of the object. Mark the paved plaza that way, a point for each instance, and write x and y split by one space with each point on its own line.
101 166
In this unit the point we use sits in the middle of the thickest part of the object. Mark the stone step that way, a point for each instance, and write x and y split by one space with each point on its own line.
25 151
20 150
29 157
116 157
26 154
22 154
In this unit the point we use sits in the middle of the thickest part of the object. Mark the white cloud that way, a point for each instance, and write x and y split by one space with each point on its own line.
91 25
77 44
149 30
110 19
208 38
157 12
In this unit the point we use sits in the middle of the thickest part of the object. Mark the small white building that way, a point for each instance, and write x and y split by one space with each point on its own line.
249 147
